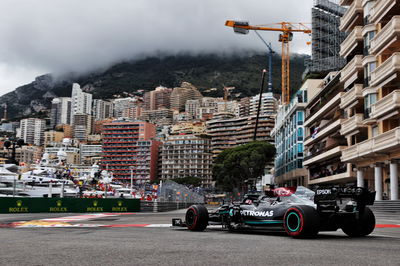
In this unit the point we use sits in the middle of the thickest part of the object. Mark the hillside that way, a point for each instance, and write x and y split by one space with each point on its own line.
204 71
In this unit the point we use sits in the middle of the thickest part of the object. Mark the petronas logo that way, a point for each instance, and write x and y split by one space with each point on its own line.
120 203
19 203
59 203
95 203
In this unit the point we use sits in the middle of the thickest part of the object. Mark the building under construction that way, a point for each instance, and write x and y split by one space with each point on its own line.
326 37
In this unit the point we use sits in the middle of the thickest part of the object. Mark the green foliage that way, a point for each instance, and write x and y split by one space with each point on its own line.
189 180
233 166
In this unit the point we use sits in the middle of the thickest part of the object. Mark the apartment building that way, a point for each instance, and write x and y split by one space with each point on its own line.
60 111
83 126
128 149
187 155
269 104
372 93
102 109
81 102
227 131
158 98
324 143
32 130
180 95
289 137
159 117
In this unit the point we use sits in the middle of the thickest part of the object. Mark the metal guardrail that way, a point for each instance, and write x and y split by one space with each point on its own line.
154 206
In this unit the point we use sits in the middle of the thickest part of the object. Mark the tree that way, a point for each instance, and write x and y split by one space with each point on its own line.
234 166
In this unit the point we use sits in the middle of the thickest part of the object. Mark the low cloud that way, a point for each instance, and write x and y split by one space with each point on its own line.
40 36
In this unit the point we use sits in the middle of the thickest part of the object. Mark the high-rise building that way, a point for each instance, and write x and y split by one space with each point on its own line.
289 137
227 132
32 130
83 124
102 109
192 107
187 155
372 93
60 111
180 95
122 104
158 98
269 104
324 143
326 37
128 148
81 102
159 117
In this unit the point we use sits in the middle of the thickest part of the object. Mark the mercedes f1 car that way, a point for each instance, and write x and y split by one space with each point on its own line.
290 210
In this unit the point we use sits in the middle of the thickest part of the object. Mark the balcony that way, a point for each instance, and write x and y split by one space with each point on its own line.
352 96
386 72
388 141
351 71
352 125
334 102
353 17
324 131
351 42
386 106
388 38
381 9
346 176
324 155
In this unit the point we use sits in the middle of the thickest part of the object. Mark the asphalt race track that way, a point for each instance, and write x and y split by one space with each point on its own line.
148 239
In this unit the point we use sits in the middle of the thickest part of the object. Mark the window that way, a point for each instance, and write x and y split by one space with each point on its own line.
375 131
300 117
368 101
300 134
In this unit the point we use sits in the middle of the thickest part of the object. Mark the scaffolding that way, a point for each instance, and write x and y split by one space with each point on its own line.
326 37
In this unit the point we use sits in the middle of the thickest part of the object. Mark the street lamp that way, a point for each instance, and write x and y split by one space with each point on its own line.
131 168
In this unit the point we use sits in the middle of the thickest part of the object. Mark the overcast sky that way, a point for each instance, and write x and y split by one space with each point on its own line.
43 36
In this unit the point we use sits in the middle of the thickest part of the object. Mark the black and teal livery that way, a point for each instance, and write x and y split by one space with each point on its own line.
299 211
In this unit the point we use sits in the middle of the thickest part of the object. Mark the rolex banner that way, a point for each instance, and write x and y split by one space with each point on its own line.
59 205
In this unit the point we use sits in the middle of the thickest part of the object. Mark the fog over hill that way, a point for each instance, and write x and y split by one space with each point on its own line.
204 71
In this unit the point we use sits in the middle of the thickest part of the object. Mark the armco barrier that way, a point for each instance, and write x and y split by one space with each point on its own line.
59 205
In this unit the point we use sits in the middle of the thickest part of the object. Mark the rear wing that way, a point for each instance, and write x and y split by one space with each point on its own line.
360 195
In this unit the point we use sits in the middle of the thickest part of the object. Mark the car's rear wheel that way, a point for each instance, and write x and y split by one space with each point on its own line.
196 218
362 226
301 221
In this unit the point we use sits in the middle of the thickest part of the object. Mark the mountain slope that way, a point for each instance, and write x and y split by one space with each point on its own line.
203 71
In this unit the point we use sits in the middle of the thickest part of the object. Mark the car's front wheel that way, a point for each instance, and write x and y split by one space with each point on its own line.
196 218
301 221
362 226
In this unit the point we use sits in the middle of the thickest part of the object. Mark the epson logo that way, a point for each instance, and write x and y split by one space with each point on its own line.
257 213
324 192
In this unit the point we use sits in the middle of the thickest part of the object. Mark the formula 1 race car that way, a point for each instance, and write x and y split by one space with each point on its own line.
289 209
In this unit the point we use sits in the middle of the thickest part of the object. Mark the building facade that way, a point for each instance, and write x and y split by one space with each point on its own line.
371 83
32 130
81 102
158 98
180 95
102 109
60 111
128 149
289 137
187 155
324 143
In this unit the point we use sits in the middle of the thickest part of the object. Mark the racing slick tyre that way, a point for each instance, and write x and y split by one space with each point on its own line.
196 218
361 227
301 221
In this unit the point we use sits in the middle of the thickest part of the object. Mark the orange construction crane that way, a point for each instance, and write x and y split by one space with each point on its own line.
286 29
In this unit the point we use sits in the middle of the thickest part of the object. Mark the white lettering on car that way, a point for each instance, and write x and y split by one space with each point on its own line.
324 192
257 213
